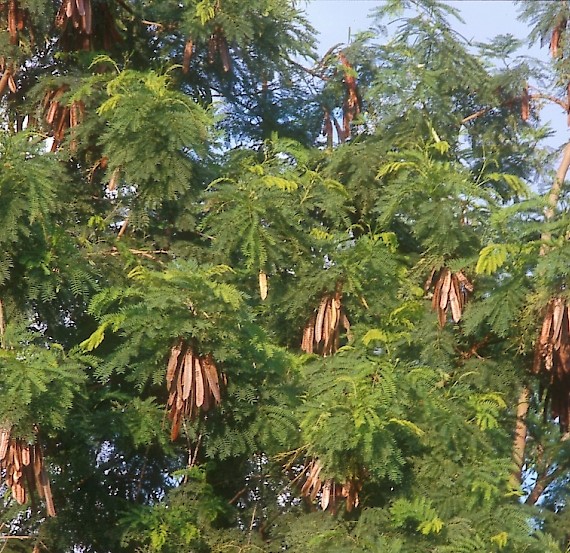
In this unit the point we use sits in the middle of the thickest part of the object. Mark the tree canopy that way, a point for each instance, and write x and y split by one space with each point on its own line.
254 300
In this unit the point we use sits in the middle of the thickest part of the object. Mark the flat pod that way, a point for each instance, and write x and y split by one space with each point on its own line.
193 384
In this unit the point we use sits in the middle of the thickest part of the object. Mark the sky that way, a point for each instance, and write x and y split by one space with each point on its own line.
337 20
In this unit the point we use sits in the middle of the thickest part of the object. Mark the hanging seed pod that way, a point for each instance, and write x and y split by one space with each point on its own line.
61 117
525 104
77 29
555 38
193 385
322 332
262 285
4 80
352 104
224 51
13 21
24 469
450 294
328 129
330 491
187 56
114 179
218 45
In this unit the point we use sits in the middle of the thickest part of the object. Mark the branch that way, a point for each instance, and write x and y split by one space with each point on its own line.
553 99
159 26
542 482
321 64
311 72
554 193
475 115
473 351
537 96
237 495
123 228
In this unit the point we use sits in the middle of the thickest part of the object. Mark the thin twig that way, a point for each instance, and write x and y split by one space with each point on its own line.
123 228
196 449
2 325
475 115
153 24
237 495
143 253
252 523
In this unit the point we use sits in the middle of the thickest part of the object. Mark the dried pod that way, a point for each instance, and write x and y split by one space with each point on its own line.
192 382
329 490
352 104
450 293
24 468
328 128
262 284
13 21
188 50
322 332
555 38
525 104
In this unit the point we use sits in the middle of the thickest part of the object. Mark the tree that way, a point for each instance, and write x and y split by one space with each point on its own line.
255 301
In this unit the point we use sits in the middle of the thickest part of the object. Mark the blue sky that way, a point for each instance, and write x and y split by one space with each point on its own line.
484 19
335 20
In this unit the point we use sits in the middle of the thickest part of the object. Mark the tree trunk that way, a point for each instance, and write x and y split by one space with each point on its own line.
519 441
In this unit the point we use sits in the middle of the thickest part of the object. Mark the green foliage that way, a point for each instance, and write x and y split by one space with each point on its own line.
153 136
418 511
491 258
262 218
39 382
29 183
192 198
178 523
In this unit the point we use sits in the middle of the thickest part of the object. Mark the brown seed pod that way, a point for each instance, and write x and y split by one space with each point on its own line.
352 104
193 384
24 469
330 491
556 37
4 80
187 56
263 285
525 104
322 331
450 292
